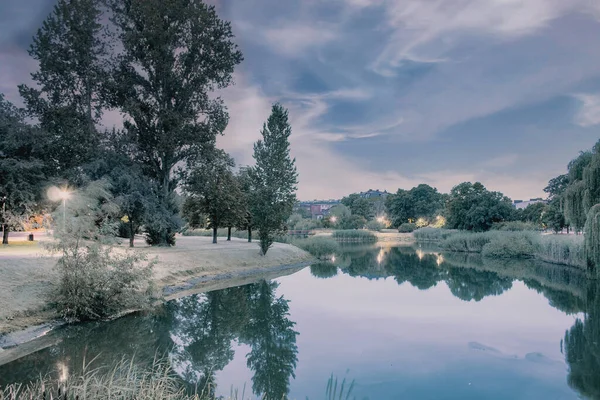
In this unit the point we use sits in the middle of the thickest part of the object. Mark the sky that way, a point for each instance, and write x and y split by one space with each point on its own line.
387 94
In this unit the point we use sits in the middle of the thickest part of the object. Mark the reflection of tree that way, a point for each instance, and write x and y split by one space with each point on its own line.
469 284
582 348
323 270
421 271
205 327
562 300
272 338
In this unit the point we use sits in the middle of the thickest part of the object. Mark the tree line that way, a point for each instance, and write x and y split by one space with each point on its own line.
158 65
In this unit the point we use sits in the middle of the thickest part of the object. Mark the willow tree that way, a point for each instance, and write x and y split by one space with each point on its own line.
573 205
175 53
67 96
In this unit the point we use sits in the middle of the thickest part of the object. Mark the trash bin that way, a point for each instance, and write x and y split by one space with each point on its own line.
30 238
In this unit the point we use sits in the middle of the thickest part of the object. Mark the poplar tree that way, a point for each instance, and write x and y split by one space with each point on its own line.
274 178
175 54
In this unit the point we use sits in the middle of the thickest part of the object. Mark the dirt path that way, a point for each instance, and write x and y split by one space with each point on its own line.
27 274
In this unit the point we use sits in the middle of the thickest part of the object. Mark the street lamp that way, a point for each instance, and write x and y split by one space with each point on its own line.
56 194
64 195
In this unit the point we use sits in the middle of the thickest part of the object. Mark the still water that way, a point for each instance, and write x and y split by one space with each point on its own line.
402 323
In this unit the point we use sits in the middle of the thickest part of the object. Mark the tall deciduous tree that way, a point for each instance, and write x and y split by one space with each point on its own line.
21 171
422 201
67 98
213 188
472 207
175 53
359 206
274 178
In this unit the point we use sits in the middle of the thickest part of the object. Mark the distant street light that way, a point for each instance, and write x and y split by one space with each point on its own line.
333 219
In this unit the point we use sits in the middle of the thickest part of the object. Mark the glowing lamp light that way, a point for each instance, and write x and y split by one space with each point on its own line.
333 219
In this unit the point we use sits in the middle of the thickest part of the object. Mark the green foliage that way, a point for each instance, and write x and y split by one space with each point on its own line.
518 245
322 247
534 213
354 235
514 226
422 201
592 238
214 191
22 170
174 54
407 227
274 178
95 281
472 207
554 218
68 99
557 186
433 234
375 225
339 211
351 222
359 206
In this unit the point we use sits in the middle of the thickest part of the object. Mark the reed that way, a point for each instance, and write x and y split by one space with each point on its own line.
354 235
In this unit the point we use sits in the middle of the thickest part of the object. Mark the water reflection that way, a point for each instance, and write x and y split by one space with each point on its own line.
582 348
199 334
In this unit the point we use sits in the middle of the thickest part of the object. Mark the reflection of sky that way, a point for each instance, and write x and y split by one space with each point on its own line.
398 341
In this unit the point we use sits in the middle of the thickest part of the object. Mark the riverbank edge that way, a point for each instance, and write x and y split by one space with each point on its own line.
12 344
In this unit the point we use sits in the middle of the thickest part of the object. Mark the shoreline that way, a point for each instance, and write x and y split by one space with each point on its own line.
29 278
17 344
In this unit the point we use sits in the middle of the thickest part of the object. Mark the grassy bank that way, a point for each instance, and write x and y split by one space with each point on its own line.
508 244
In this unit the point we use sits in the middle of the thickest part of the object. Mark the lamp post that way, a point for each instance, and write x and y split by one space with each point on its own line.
64 195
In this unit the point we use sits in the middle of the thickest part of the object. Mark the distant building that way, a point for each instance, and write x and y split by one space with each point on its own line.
369 194
318 209
520 204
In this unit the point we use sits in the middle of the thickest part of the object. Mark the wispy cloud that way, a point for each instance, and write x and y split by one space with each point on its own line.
589 112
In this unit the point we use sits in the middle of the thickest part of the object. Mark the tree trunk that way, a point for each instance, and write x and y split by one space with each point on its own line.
131 234
229 233
249 234
5 234
215 234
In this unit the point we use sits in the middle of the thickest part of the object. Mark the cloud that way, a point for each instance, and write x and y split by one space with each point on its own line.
423 31
502 161
589 112
293 41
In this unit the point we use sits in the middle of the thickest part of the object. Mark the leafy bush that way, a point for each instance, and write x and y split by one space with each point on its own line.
319 246
433 234
351 222
95 280
95 284
354 235
375 225
514 245
407 228
515 226
561 249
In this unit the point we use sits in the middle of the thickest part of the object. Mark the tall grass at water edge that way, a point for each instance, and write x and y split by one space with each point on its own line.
127 381
354 235
433 234
322 247
556 249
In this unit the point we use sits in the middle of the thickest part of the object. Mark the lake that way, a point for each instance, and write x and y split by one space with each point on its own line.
395 322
